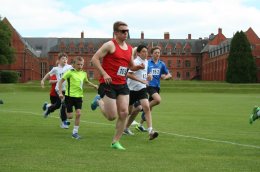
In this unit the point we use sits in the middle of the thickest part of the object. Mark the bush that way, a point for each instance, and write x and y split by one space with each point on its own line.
8 76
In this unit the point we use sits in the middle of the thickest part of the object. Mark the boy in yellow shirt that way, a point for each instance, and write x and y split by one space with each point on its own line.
75 79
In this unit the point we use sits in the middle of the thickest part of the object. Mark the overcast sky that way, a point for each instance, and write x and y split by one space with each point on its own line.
68 18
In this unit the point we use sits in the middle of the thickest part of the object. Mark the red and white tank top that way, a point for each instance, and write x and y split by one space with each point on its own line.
116 64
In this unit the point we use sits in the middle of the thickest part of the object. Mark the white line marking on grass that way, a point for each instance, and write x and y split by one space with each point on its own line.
212 140
173 134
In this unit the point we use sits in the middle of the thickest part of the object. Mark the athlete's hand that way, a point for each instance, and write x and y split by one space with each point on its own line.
61 96
42 83
141 66
107 78
149 77
96 87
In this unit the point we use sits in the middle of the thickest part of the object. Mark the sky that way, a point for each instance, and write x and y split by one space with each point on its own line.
68 18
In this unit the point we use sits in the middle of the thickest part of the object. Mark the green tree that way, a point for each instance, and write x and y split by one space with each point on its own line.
241 64
6 51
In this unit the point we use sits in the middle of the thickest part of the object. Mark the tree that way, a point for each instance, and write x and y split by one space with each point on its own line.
241 64
6 51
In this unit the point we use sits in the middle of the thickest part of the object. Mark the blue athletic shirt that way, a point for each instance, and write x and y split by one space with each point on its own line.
156 70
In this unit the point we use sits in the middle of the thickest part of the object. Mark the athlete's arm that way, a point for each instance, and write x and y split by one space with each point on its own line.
92 85
132 65
166 72
60 88
102 52
44 78
132 76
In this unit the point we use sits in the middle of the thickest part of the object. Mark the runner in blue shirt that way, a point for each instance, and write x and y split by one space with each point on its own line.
158 69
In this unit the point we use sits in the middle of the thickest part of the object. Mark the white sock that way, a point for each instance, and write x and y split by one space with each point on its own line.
75 129
150 129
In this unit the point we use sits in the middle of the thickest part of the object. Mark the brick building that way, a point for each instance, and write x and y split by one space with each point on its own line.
215 54
186 59
27 63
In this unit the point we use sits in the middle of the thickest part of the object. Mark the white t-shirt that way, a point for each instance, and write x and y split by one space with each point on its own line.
140 74
59 71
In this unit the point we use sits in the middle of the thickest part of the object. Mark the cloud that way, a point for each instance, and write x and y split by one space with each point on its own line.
179 17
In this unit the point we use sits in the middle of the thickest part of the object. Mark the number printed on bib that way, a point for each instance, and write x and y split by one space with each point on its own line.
144 76
155 71
122 71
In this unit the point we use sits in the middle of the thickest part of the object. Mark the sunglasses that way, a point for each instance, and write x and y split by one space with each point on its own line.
123 31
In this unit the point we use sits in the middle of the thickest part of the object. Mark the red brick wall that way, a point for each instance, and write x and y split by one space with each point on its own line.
26 63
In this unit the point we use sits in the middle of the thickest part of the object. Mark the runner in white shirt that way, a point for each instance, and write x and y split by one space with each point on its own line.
137 82
58 71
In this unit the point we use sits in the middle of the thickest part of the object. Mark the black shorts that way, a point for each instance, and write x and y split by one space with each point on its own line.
112 91
135 96
53 99
73 101
151 91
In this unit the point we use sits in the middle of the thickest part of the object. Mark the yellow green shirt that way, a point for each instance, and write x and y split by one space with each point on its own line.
74 82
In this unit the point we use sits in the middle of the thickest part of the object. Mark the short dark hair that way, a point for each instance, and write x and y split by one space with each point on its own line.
118 24
155 48
60 55
77 58
140 47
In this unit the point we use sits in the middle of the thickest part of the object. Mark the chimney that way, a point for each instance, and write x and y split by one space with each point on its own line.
219 31
166 35
82 34
142 35
189 36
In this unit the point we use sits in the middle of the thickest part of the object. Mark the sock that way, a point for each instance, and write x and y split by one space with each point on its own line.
150 129
75 129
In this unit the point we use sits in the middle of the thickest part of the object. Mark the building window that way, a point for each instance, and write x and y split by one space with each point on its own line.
19 73
178 63
169 63
187 75
187 51
91 75
81 50
198 59
169 52
178 51
187 63
43 69
178 75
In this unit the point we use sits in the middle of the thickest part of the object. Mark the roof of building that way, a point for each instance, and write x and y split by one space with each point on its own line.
43 46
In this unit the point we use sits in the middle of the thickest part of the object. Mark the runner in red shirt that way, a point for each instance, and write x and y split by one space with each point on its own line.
53 96
113 98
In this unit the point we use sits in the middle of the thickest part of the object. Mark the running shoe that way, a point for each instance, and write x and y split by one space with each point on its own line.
76 136
140 128
117 145
127 131
254 116
94 103
153 135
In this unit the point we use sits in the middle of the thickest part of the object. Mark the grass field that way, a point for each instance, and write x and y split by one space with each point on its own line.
203 126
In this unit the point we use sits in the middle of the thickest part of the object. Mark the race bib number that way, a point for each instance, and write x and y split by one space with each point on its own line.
144 76
155 71
122 71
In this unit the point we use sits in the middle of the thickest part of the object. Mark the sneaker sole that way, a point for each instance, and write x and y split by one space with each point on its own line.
155 135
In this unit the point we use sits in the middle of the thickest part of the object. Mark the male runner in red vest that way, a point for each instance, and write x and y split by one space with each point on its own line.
117 58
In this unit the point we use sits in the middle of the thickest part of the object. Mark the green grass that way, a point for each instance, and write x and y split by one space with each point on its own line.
199 131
